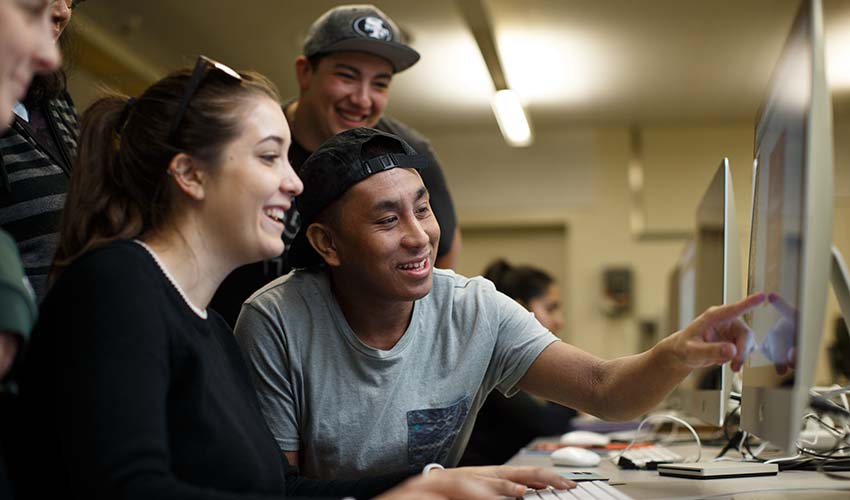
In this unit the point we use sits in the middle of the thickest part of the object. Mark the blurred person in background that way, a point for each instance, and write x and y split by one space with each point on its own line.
506 425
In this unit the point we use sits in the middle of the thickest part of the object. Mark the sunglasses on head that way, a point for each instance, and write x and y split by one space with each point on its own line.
203 67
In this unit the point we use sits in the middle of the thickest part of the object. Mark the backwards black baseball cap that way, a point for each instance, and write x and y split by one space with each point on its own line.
361 28
341 162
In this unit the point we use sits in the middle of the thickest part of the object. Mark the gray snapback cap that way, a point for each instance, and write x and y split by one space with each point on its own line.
361 28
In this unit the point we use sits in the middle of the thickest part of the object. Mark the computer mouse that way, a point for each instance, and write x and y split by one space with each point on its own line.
575 457
584 438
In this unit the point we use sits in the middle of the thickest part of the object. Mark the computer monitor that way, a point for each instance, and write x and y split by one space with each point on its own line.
790 235
717 266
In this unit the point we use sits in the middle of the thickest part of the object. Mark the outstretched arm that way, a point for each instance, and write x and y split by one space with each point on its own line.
626 387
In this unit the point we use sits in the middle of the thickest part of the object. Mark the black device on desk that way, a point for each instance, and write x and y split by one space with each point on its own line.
580 475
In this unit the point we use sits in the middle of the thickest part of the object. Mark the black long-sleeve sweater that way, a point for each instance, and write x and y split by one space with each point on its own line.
129 394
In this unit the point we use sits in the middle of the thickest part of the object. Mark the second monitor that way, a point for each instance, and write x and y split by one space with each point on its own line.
717 274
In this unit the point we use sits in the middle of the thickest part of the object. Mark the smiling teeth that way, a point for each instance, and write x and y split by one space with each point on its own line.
350 117
416 265
275 213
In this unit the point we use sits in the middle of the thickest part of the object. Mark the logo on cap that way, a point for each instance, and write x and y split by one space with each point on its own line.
373 27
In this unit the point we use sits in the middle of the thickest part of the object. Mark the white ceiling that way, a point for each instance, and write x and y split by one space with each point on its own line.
575 62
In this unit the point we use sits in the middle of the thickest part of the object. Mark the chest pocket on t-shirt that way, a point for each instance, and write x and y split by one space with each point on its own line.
432 432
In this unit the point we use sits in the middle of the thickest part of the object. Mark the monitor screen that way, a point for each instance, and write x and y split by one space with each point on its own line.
717 280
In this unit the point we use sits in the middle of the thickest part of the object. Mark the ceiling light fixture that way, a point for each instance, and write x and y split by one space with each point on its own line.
510 114
511 118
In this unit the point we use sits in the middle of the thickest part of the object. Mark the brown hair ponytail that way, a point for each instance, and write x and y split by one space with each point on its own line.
96 211
120 187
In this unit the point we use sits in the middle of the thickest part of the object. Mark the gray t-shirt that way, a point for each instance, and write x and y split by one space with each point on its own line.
352 410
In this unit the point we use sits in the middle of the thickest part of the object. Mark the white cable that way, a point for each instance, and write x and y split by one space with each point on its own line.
759 450
783 459
835 392
822 421
661 417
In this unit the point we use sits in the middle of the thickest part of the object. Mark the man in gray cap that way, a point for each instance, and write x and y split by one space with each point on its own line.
350 56
366 359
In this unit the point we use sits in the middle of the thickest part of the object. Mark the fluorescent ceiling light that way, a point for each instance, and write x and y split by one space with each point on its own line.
838 58
511 117
635 176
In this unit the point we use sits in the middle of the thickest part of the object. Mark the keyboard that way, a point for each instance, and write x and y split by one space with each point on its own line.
586 490
647 457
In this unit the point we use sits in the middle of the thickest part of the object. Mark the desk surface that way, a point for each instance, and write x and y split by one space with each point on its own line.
649 485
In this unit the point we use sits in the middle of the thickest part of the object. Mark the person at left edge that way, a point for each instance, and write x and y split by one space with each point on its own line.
27 48
36 157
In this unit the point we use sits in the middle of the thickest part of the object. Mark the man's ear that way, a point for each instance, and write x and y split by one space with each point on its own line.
303 72
321 237
188 175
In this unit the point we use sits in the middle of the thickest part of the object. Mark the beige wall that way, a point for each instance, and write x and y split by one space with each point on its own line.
577 177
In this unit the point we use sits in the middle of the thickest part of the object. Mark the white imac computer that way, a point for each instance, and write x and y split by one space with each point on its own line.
790 236
717 265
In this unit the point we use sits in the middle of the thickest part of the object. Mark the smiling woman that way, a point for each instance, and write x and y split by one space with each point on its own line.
158 220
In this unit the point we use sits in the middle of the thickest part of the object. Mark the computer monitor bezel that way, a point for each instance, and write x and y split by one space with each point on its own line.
775 413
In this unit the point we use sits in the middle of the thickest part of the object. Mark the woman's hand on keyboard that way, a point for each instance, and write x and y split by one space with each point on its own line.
509 481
